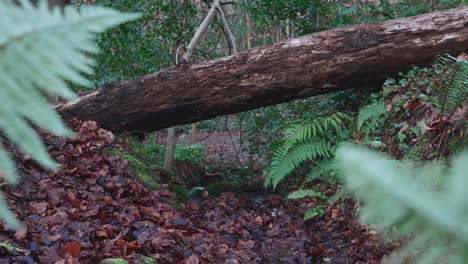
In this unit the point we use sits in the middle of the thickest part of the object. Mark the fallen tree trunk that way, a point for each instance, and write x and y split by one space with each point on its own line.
351 57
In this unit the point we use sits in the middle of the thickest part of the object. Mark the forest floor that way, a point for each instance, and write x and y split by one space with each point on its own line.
221 146
93 208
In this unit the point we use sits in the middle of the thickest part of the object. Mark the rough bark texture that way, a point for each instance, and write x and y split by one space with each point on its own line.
350 57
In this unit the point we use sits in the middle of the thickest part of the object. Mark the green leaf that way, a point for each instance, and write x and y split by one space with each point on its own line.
371 115
393 197
313 212
303 193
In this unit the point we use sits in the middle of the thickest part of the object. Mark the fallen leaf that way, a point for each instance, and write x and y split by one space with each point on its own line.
55 238
259 220
73 248
101 233
192 260
348 234
318 250
40 207
21 234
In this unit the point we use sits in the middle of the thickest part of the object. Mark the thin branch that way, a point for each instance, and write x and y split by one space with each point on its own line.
177 54
226 25
201 31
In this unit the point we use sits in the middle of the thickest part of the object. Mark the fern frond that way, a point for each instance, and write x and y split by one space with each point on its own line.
328 168
40 50
393 198
317 127
372 116
452 92
285 161
312 140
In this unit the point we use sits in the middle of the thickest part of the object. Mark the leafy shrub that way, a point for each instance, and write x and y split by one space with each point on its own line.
40 50
434 220
395 118
420 116
144 46
301 13
307 16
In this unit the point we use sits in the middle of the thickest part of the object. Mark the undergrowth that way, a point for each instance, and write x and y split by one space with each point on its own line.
421 116
192 174
427 109
144 157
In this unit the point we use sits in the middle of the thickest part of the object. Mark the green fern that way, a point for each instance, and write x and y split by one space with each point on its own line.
284 163
313 212
393 198
305 141
452 91
304 131
326 169
371 116
40 50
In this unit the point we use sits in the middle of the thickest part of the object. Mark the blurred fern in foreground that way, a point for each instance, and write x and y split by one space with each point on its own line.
41 49
392 197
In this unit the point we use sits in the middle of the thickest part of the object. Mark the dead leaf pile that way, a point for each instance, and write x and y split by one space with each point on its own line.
92 208
89 209
268 229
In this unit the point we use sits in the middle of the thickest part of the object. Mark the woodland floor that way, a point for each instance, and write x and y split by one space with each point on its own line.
221 146
93 208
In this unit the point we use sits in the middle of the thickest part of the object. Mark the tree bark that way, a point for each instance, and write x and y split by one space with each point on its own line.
358 56
169 160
